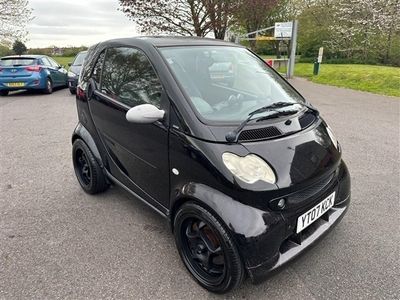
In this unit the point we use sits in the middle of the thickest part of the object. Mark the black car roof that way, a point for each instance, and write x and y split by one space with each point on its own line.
169 41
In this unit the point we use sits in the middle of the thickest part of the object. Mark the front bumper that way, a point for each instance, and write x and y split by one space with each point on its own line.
297 244
271 250
72 82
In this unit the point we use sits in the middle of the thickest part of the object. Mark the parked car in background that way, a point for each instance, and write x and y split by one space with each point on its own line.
248 176
30 72
74 71
221 69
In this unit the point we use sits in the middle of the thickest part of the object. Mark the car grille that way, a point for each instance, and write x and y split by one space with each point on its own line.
259 134
309 192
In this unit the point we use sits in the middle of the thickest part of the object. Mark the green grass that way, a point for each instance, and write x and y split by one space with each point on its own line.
375 79
63 60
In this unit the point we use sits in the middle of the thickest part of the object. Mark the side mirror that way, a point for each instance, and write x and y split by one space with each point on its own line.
69 64
144 114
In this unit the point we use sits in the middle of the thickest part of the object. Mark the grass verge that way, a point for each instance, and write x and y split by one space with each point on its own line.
375 79
63 60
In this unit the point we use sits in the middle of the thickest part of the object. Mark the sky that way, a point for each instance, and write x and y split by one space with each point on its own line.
76 22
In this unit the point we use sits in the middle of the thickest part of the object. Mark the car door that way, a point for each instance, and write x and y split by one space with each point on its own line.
60 72
55 78
138 152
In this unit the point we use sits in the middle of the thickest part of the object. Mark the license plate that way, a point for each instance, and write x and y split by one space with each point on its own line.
314 213
15 84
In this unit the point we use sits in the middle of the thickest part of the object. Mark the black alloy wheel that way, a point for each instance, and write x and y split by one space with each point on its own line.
88 171
83 166
207 249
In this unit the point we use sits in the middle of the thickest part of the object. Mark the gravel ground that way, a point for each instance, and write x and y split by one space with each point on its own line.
58 242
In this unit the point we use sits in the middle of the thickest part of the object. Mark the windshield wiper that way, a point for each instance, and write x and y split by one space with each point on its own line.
233 135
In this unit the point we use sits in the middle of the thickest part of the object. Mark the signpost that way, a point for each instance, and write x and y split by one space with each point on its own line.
320 53
282 31
318 62
293 46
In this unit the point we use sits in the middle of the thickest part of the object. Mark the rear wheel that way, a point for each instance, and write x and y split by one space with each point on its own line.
49 86
88 171
3 93
207 249
72 91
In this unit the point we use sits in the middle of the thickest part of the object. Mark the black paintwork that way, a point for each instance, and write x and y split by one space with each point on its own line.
140 159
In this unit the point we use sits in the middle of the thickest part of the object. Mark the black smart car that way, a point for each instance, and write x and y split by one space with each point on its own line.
74 71
248 174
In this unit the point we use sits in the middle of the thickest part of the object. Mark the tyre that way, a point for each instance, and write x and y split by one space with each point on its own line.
49 86
72 91
88 171
3 93
207 249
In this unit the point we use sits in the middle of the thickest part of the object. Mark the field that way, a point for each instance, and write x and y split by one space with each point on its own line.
63 60
375 79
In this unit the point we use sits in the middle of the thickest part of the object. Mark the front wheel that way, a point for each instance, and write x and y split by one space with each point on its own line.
88 171
72 91
207 249
3 93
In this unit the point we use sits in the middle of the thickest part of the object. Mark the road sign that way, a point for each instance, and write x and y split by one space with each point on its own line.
283 29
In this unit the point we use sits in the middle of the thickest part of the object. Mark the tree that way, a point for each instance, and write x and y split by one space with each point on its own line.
220 14
19 47
14 16
183 17
358 24
252 14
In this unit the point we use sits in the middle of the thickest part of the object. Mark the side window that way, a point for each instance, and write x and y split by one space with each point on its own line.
97 68
53 62
129 77
46 61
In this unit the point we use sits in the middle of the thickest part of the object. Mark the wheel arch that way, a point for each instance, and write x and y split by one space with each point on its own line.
249 227
82 133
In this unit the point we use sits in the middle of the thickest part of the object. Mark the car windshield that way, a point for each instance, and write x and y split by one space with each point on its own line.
225 83
17 61
79 59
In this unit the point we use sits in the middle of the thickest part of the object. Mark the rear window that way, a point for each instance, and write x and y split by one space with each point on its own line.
17 61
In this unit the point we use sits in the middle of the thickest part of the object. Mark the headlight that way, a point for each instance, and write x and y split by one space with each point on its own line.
70 74
332 136
249 168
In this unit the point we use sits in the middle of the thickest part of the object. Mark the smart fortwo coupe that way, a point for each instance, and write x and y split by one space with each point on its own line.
245 170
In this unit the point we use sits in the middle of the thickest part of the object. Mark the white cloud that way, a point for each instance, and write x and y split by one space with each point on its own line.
76 23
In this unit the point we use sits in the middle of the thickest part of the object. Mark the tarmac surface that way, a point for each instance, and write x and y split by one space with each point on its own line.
58 242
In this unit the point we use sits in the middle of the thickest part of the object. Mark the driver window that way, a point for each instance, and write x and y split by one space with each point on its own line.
129 77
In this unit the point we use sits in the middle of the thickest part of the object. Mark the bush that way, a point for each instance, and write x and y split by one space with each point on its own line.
4 51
